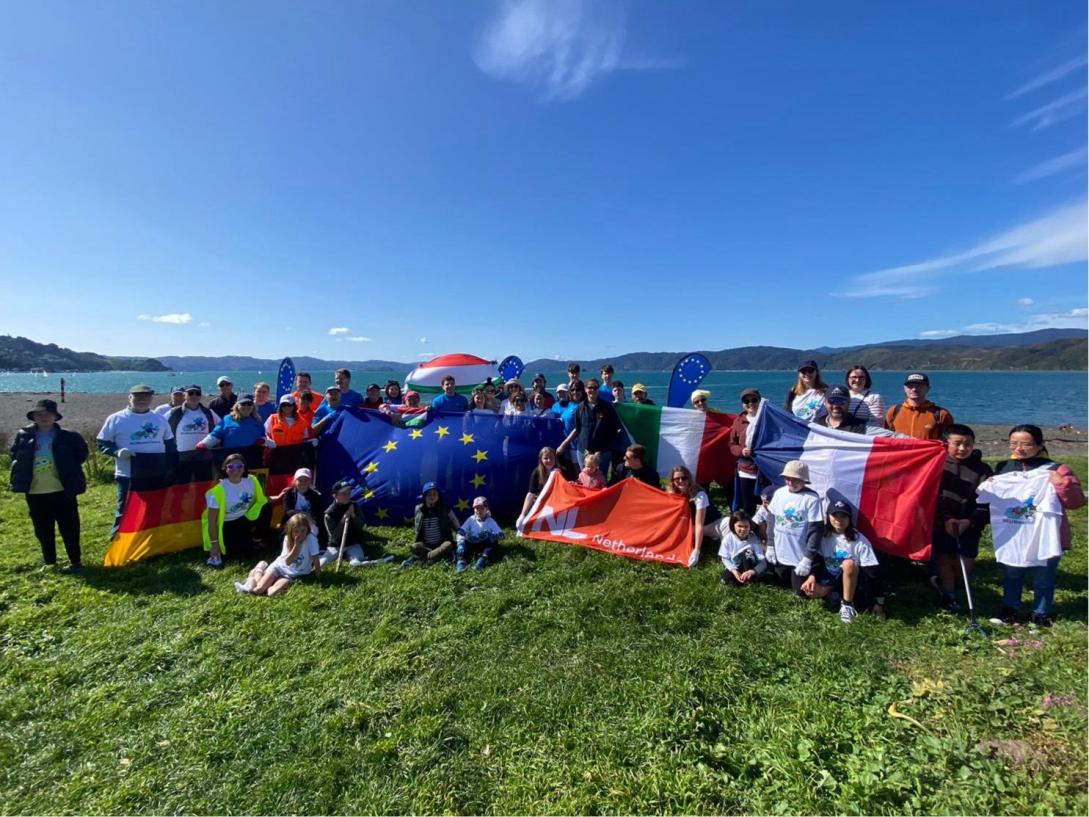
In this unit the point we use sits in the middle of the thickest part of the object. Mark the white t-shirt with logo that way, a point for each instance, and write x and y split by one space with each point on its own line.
140 433
806 405
301 564
239 498
1026 516
836 549
192 428
794 513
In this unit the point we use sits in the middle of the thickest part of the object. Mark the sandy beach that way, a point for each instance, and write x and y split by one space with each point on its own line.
85 412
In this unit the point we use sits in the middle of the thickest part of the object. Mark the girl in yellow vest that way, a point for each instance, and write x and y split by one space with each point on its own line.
233 506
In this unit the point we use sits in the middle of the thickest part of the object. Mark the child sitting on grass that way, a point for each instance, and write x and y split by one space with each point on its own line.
477 533
342 514
435 528
847 559
741 552
298 558
591 475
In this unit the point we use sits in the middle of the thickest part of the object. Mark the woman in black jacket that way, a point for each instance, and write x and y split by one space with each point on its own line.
47 466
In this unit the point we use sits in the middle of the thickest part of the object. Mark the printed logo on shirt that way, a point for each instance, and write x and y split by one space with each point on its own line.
1022 514
244 501
791 518
196 424
149 431
837 559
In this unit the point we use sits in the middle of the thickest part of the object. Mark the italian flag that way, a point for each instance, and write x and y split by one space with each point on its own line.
676 436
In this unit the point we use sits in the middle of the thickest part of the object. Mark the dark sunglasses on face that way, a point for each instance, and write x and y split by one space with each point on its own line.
808 370
751 401
235 466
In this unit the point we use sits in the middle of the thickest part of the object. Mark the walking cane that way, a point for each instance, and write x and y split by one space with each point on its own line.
343 540
973 625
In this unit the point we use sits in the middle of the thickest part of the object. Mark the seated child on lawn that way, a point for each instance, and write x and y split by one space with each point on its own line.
341 515
436 527
847 561
478 533
298 558
741 552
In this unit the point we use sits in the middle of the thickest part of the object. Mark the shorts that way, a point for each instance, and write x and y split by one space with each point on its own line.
828 576
280 571
969 544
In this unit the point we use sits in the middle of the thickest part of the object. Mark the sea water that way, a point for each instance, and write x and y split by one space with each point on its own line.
1044 398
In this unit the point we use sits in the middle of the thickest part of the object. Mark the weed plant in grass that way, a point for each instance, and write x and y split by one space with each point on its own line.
558 680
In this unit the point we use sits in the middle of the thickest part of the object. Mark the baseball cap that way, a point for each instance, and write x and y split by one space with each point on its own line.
638 387
288 400
839 506
750 393
340 485
304 472
245 398
193 387
808 364
223 380
373 387
916 377
562 387
332 388
141 388
838 395
178 390
540 376
480 500
412 393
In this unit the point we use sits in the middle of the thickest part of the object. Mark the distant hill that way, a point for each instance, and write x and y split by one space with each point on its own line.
1058 355
19 354
1007 340
302 363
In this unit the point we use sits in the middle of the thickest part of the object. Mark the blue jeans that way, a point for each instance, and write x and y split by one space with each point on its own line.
1043 584
122 494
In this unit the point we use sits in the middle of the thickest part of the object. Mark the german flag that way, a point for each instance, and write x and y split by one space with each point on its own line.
166 497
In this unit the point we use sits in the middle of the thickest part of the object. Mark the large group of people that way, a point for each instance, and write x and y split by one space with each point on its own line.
788 535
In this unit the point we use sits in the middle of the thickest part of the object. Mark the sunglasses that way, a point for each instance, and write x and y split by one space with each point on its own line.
751 401
807 370
235 466
699 400
680 479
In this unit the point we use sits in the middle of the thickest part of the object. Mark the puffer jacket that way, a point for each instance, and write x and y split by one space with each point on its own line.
69 454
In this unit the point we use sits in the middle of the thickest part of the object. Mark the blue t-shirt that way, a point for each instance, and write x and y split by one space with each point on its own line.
323 411
456 403
567 414
605 393
234 434
351 399
266 410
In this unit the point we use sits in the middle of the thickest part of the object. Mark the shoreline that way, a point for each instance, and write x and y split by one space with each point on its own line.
86 411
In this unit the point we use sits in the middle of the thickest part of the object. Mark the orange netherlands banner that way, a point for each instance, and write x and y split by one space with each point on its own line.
629 519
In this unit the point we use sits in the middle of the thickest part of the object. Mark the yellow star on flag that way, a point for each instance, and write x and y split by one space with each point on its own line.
480 456
415 434
371 467
390 446
442 431
466 439
462 505
368 494
478 480
382 513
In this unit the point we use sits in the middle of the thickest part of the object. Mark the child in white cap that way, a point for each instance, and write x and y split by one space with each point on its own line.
478 533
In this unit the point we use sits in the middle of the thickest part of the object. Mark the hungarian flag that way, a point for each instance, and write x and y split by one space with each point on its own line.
677 436
468 371
165 500
629 519
891 482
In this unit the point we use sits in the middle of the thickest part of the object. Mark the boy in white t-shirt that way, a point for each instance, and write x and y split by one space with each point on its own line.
848 569
741 552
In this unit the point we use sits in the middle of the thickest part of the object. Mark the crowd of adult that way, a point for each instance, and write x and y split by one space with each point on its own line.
789 535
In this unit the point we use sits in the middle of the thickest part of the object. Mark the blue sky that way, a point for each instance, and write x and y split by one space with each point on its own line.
538 177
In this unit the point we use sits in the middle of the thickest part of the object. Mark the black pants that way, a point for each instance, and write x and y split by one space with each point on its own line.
49 512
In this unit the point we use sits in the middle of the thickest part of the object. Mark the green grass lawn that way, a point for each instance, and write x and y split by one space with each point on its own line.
559 680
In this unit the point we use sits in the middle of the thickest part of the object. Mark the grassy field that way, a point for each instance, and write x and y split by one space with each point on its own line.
560 680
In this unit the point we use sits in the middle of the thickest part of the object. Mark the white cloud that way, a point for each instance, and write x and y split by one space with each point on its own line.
559 46
1049 77
1059 237
939 333
1025 302
1066 106
338 330
358 339
1074 160
1073 319
423 340
177 318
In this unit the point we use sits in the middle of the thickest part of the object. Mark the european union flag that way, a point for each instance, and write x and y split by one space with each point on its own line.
285 378
468 455
687 374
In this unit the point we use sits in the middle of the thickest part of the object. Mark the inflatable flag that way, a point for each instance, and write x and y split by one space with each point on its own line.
511 367
629 519
285 378
468 371
687 374
892 482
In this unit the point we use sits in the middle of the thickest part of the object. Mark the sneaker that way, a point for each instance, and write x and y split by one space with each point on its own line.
76 568
354 562
461 566
950 603
215 562
1041 620
410 561
847 612
481 563
241 588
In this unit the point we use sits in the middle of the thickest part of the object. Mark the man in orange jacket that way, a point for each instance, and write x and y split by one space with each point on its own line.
916 416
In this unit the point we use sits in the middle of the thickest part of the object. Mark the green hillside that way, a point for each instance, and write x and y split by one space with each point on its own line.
19 354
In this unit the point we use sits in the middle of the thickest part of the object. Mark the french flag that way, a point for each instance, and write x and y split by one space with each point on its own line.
892 482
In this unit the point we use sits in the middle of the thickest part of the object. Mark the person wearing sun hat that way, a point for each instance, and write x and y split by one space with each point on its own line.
47 467
799 525
136 430
639 395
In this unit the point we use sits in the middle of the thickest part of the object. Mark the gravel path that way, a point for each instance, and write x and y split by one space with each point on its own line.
85 412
